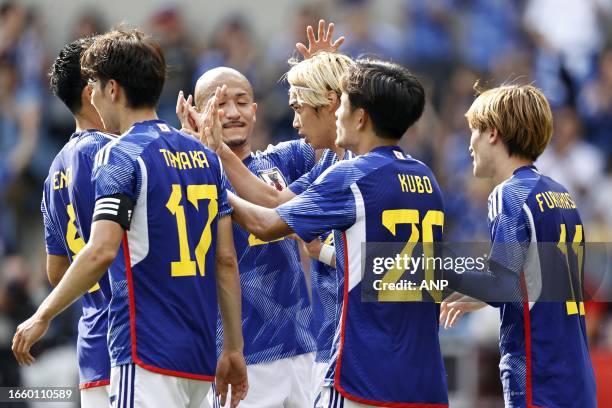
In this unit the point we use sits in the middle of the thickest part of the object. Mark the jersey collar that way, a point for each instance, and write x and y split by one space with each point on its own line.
525 168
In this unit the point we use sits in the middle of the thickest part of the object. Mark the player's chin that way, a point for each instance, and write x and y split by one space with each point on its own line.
234 139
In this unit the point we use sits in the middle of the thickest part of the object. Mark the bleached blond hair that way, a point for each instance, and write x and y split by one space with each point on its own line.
312 79
520 114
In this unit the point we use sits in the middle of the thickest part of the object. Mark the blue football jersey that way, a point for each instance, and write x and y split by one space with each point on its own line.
326 282
67 207
384 352
163 310
545 359
276 311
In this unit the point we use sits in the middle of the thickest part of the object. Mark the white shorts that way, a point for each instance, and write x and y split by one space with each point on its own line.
330 398
133 386
284 383
318 381
95 397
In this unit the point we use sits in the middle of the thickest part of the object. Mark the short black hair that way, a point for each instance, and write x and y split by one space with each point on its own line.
66 79
131 58
391 95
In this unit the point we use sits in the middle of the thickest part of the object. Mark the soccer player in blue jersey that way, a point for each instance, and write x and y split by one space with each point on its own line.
160 195
67 207
314 96
384 354
543 345
276 312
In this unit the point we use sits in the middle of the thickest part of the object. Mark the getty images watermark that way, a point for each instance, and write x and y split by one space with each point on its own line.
411 265
557 272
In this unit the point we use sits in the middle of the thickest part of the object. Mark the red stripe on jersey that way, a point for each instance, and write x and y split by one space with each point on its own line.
337 385
135 358
92 384
527 328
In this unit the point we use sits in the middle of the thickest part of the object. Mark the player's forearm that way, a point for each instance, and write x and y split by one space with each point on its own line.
490 287
262 222
228 294
249 186
85 272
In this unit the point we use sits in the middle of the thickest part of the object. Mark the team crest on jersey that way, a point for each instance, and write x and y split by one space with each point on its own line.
163 127
274 178
399 155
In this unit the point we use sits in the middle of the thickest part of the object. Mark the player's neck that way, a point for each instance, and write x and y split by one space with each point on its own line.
370 141
339 151
242 151
88 118
507 167
128 117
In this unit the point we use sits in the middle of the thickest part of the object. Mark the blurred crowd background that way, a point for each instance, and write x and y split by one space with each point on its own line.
562 46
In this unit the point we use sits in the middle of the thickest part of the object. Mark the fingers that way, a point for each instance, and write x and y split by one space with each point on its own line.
321 33
221 388
443 312
330 31
179 104
336 44
447 324
310 35
301 49
239 392
21 349
454 317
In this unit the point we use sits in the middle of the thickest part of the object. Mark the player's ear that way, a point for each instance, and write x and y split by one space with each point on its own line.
86 95
494 137
361 118
113 90
334 101
254 107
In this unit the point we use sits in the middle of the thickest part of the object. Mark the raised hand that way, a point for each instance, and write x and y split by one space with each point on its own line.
184 112
211 131
28 333
231 370
323 42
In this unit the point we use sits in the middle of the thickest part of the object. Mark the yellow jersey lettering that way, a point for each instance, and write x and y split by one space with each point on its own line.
410 183
427 184
554 199
62 178
185 160
402 180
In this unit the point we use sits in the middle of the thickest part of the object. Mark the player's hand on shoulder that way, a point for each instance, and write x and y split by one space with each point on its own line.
28 333
231 370
323 41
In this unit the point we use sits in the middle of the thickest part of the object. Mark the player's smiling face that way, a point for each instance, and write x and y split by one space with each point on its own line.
481 151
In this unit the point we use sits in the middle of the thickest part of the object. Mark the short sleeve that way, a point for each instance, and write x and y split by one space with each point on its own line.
224 186
114 172
326 205
296 157
53 237
510 236
301 184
